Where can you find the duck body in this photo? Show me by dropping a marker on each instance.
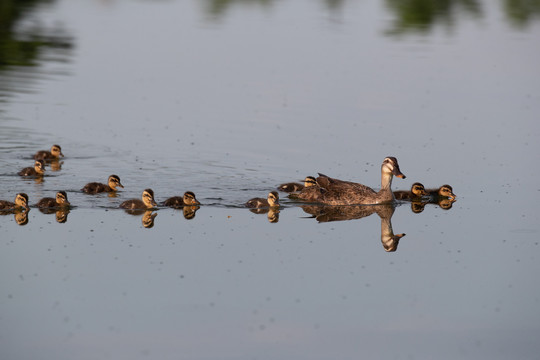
(54, 154)
(96, 187)
(295, 187)
(21, 202)
(340, 192)
(443, 192)
(60, 201)
(271, 201)
(147, 201)
(37, 170)
(416, 192)
(178, 202)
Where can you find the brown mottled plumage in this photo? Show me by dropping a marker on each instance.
(55, 153)
(95, 187)
(271, 201)
(60, 201)
(178, 202)
(294, 187)
(443, 192)
(416, 192)
(340, 192)
(147, 201)
(37, 170)
(21, 201)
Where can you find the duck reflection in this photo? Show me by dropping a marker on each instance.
(147, 218)
(272, 213)
(189, 211)
(326, 213)
(20, 215)
(61, 213)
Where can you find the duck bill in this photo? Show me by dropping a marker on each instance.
(453, 197)
(398, 173)
(154, 203)
(122, 186)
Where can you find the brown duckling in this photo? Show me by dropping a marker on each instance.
(147, 201)
(95, 187)
(54, 154)
(340, 192)
(60, 201)
(416, 192)
(444, 192)
(271, 201)
(178, 202)
(37, 170)
(21, 202)
(294, 187)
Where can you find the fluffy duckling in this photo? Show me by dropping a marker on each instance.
(54, 154)
(37, 170)
(147, 201)
(416, 192)
(271, 201)
(178, 202)
(444, 192)
(60, 201)
(21, 201)
(294, 187)
(339, 192)
(95, 187)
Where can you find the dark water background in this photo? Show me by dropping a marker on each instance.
(231, 98)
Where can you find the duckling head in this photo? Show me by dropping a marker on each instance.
(310, 181)
(56, 151)
(390, 166)
(446, 191)
(39, 166)
(148, 198)
(190, 199)
(21, 199)
(273, 198)
(114, 181)
(418, 189)
(61, 198)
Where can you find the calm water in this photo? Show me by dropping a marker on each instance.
(231, 98)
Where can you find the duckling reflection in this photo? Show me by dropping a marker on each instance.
(325, 213)
(446, 204)
(272, 213)
(20, 214)
(61, 213)
(55, 165)
(189, 211)
(148, 219)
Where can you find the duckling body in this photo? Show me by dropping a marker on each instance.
(443, 192)
(295, 187)
(147, 201)
(37, 170)
(271, 201)
(416, 192)
(178, 202)
(21, 202)
(96, 187)
(59, 202)
(54, 154)
(340, 192)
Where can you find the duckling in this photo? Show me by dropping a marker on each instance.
(294, 187)
(95, 187)
(54, 154)
(444, 192)
(416, 192)
(37, 170)
(339, 192)
(271, 201)
(178, 202)
(147, 201)
(21, 202)
(61, 201)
